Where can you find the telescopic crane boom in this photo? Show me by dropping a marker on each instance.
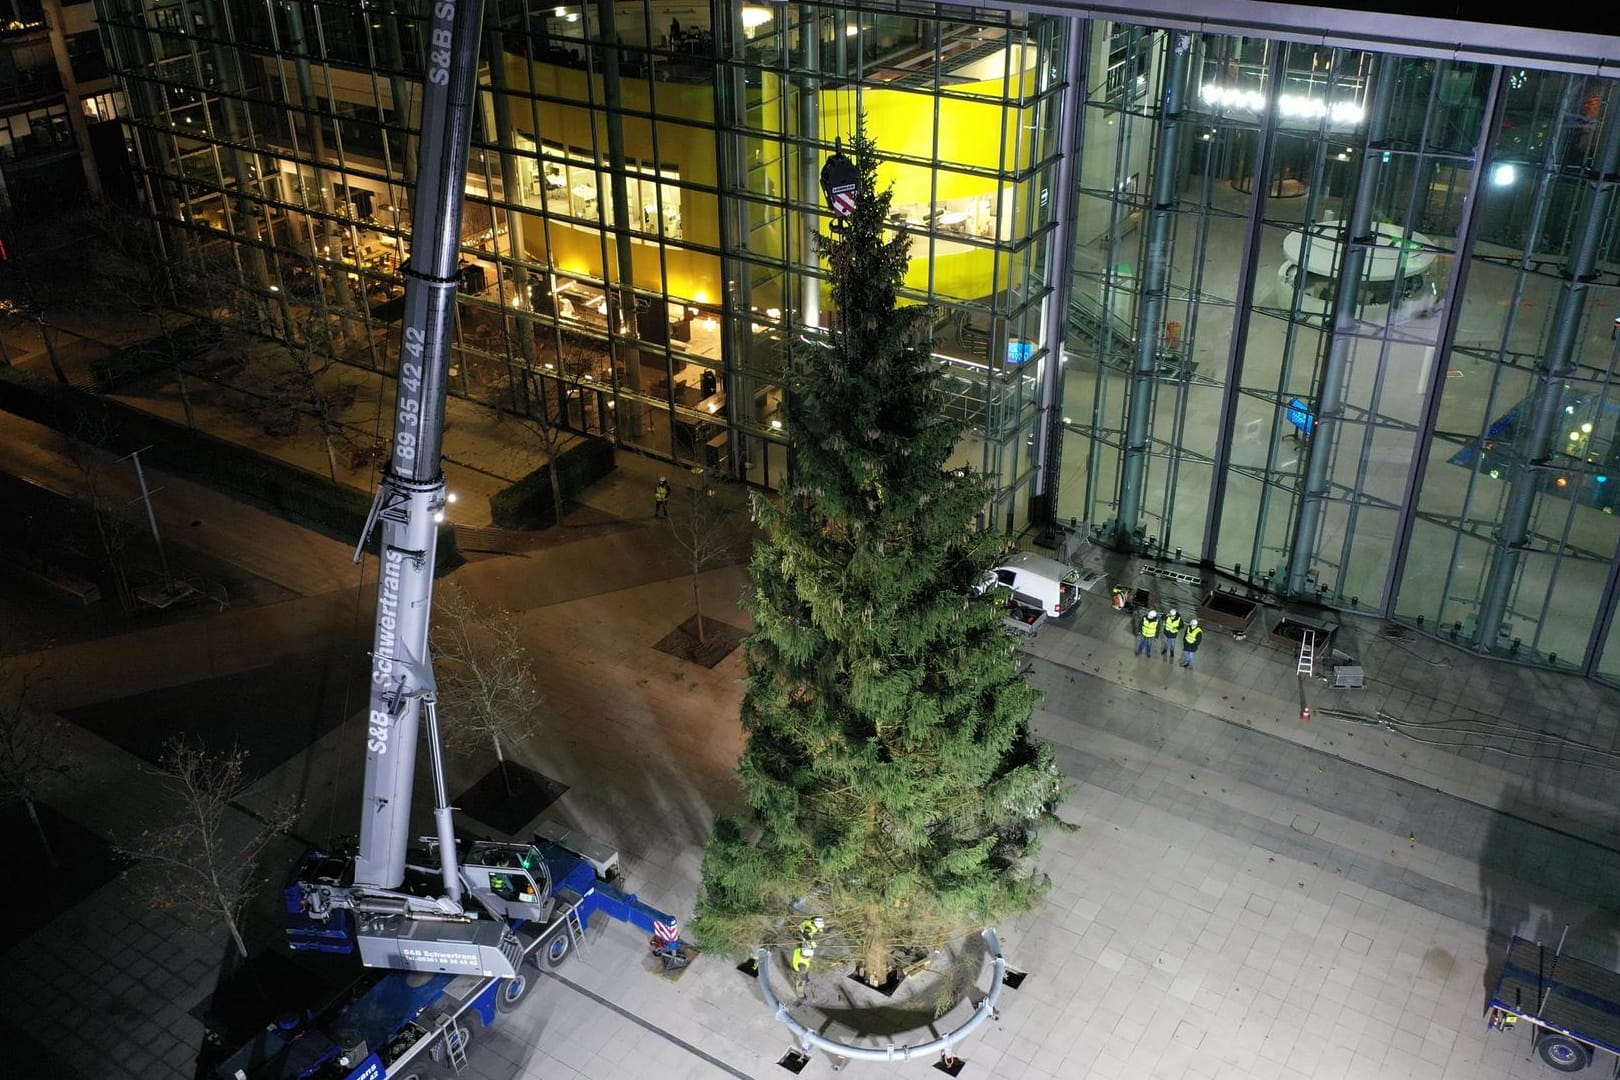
(402, 924)
(411, 496)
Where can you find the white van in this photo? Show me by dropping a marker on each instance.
(1038, 582)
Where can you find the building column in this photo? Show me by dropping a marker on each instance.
(1155, 280)
(1446, 333)
(402, 93)
(1558, 363)
(245, 205)
(1359, 238)
(809, 85)
(71, 98)
(500, 106)
(1244, 293)
(322, 232)
(624, 349)
(1059, 270)
(732, 171)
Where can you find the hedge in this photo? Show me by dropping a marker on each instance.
(297, 494)
(527, 504)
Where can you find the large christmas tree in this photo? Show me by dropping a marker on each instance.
(893, 782)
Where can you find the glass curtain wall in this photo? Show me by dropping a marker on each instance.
(1514, 546)
(638, 246)
(1320, 298)
(964, 116)
(1339, 324)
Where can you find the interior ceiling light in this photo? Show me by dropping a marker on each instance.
(753, 17)
(1292, 106)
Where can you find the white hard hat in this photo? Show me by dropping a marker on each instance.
(1192, 622)
(1153, 614)
(820, 922)
(1173, 611)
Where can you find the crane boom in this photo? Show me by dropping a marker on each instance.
(396, 922)
(411, 497)
(524, 899)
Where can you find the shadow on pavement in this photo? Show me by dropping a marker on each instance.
(272, 712)
(510, 796)
(84, 863)
(1545, 885)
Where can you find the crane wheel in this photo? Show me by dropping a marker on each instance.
(513, 990)
(555, 949)
(1562, 1052)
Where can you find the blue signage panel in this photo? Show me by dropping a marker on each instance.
(1300, 415)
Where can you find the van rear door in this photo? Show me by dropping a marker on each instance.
(1068, 592)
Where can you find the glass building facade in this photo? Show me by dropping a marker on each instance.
(1331, 316)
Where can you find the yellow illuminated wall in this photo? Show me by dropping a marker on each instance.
(976, 130)
(975, 134)
(687, 148)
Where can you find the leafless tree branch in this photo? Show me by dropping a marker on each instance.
(486, 676)
(34, 748)
(211, 864)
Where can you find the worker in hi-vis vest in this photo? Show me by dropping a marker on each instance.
(1189, 644)
(1171, 634)
(1148, 635)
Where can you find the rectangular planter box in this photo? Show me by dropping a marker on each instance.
(1230, 612)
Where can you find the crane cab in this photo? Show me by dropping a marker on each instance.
(509, 879)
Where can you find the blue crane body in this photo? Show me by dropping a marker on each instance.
(459, 926)
(401, 1024)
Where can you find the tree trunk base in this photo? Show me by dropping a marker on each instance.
(685, 643)
(916, 993)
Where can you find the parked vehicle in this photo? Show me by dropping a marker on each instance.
(1571, 1007)
(1038, 582)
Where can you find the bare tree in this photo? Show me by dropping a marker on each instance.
(313, 354)
(209, 852)
(578, 361)
(486, 676)
(29, 309)
(94, 434)
(701, 528)
(187, 297)
(34, 749)
(45, 276)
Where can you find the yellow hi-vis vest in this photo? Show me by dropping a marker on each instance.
(1150, 628)
(1193, 634)
(1172, 625)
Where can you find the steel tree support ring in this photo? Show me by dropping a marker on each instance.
(945, 1044)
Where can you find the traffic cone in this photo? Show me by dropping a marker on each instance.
(1305, 714)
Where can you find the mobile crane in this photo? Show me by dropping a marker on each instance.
(454, 938)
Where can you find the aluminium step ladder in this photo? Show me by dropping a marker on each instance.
(576, 929)
(1307, 654)
(453, 1037)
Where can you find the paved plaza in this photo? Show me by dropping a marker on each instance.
(1247, 894)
